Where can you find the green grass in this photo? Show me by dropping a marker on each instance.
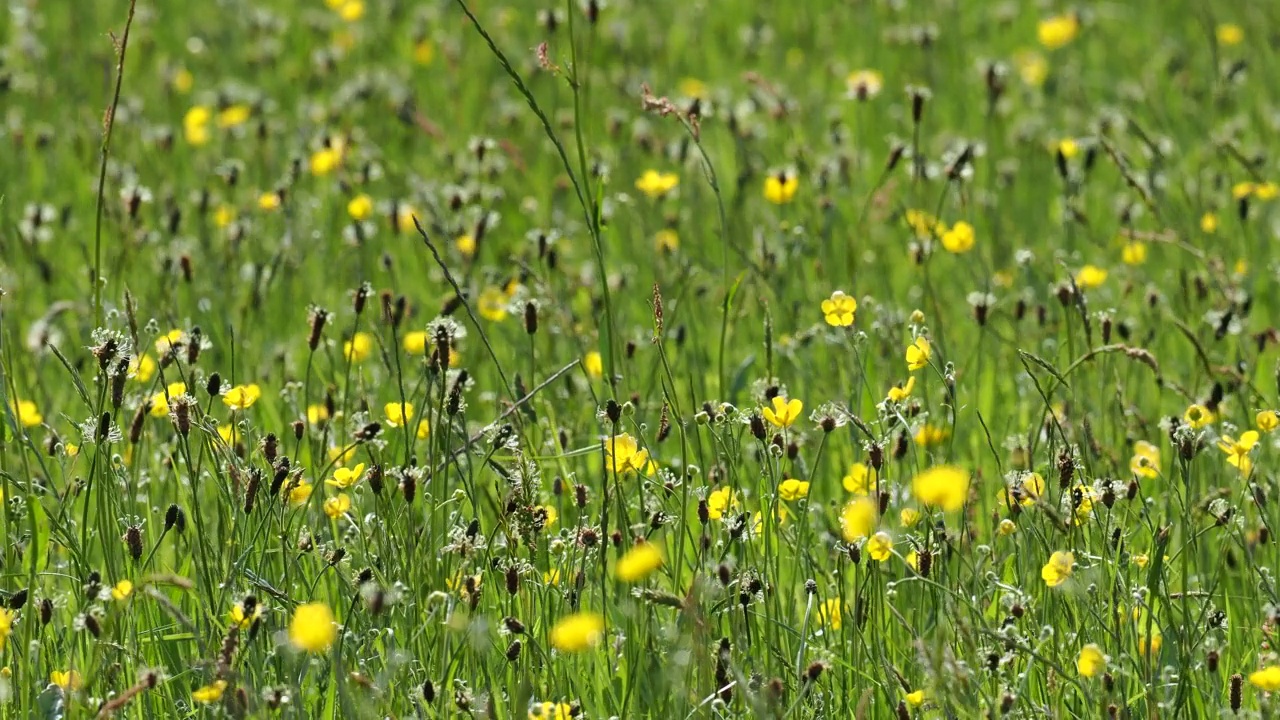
(445, 574)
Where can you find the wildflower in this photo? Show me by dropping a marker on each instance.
(1145, 462)
(122, 590)
(549, 515)
(838, 310)
(344, 478)
(336, 507)
(341, 456)
(1134, 253)
(915, 698)
(241, 618)
(666, 240)
(195, 125)
(1068, 148)
(1026, 491)
(142, 368)
(233, 116)
(300, 494)
(944, 486)
(864, 84)
(1209, 223)
(424, 429)
(1090, 276)
(6, 625)
(909, 517)
(269, 201)
(360, 207)
(183, 81)
(551, 577)
(28, 414)
(551, 711)
(880, 546)
(624, 454)
(858, 519)
(1229, 34)
(1007, 527)
(1141, 560)
(1266, 190)
(593, 364)
(316, 414)
(1032, 67)
(1242, 190)
(898, 393)
(929, 435)
(224, 216)
(424, 52)
(784, 412)
(209, 693)
(719, 501)
(313, 628)
(1238, 450)
(925, 225)
(831, 612)
(160, 401)
(492, 304)
(577, 633)
(1148, 646)
(860, 480)
(780, 188)
(1058, 569)
(1267, 420)
(656, 184)
(1266, 679)
(1084, 508)
(638, 563)
(918, 353)
(398, 414)
(242, 397)
(324, 161)
(351, 10)
(466, 245)
(1057, 31)
(692, 88)
(1091, 661)
(358, 348)
(959, 239)
(792, 489)
(415, 343)
(68, 680)
(1197, 416)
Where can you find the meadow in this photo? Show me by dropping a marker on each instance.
(639, 359)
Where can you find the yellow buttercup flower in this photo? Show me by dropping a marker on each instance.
(29, 414)
(351, 10)
(1134, 253)
(666, 241)
(898, 393)
(122, 590)
(1025, 491)
(1267, 420)
(624, 454)
(1057, 31)
(209, 694)
(864, 84)
(7, 617)
(944, 486)
(325, 161)
(1238, 450)
(1067, 147)
(861, 479)
(195, 125)
(1197, 416)
(142, 368)
(344, 478)
(316, 414)
(68, 680)
(241, 618)
(1145, 462)
(831, 613)
(492, 304)
(1032, 67)
(1266, 679)
(641, 561)
(313, 628)
(780, 188)
(858, 519)
(1091, 662)
(358, 348)
(929, 435)
(593, 363)
(915, 698)
(783, 412)
(577, 633)
(233, 116)
(1058, 569)
(838, 310)
(657, 184)
(160, 401)
(360, 207)
(880, 546)
(918, 353)
(1209, 223)
(1229, 34)
(269, 201)
(551, 711)
(959, 238)
(791, 489)
(398, 414)
(1090, 276)
(336, 507)
(300, 494)
(242, 397)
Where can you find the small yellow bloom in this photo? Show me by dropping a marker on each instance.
(550, 515)
(360, 207)
(638, 563)
(657, 184)
(1007, 527)
(28, 414)
(551, 711)
(1242, 190)
(300, 494)
(424, 52)
(71, 449)
(224, 216)
(944, 486)
(780, 188)
(351, 10)
(692, 88)
(1068, 148)
(861, 479)
(316, 414)
(398, 414)
(1032, 67)
(858, 519)
(1145, 462)
(918, 353)
(324, 161)
(209, 694)
(1209, 223)
(160, 401)
(1229, 34)
(1058, 569)
(1090, 276)
(1057, 31)
(792, 489)
(784, 412)
(1150, 646)
(195, 125)
(242, 397)
(929, 435)
(336, 507)
(831, 613)
(142, 368)
(864, 84)
(915, 699)
(1266, 679)
(923, 224)
(313, 628)
(492, 304)
(7, 617)
(838, 310)
(183, 81)
(269, 201)
(898, 393)
(1134, 253)
(666, 241)
(624, 454)
(1267, 420)
(959, 239)
(358, 348)
(909, 517)
(1091, 661)
(1141, 560)
(577, 633)
(415, 342)
(880, 546)
(593, 364)
(243, 619)
(68, 680)
(122, 590)
(233, 116)
(344, 478)
(1238, 450)
(1197, 416)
